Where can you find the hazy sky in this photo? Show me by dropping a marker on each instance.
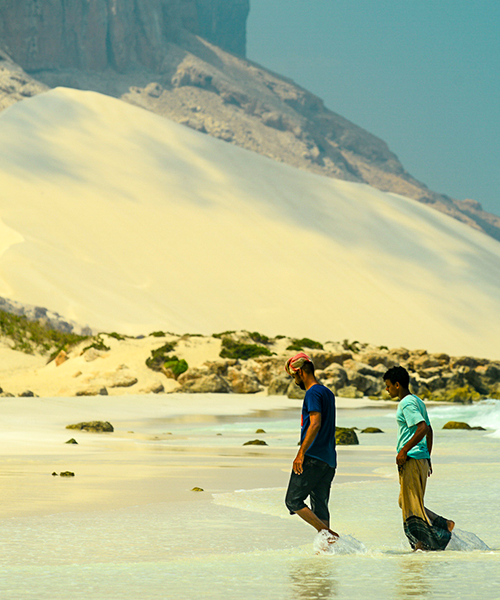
(423, 75)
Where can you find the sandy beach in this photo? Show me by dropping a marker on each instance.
(128, 524)
(144, 460)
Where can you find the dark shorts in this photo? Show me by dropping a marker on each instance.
(315, 481)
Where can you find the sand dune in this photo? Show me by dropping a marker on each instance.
(122, 220)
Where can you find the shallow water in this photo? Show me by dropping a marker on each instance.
(243, 544)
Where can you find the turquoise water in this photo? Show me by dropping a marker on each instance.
(243, 544)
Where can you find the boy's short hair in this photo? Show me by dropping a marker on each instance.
(398, 375)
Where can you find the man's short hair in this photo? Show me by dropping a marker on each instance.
(308, 367)
(398, 375)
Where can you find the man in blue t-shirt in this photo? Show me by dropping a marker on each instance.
(424, 529)
(314, 466)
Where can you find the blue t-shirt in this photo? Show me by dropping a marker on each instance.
(320, 399)
(412, 411)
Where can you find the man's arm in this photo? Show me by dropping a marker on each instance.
(418, 436)
(311, 433)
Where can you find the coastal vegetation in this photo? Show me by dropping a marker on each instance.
(241, 350)
(35, 337)
(246, 362)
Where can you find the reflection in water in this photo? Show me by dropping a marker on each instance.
(414, 578)
(313, 579)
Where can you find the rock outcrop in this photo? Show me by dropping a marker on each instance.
(102, 34)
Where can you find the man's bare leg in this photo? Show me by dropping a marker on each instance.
(309, 517)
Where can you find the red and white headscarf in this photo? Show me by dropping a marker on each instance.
(296, 362)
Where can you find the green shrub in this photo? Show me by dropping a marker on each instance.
(237, 350)
(259, 338)
(221, 335)
(299, 345)
(160, 356)
(115, 335)
(98, 344)
(352, 346)
(31, 336)
(176, 366)
(157, 334)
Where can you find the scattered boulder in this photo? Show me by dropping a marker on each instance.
(61, 358)
(122, 377)
(349, 391)
(456, 425)
(213, 384)
(294, 392)
(155, 387)
(66, 474)
(71, 441)
(371, 430)
(255, 443)
(269, 368)
(93, 354)
(278, 386)
(462, 395)
(260, 431)
(242, 382)
(93, 426)
(92, 390)
(346, 436)
(197, 489)
(28, 394)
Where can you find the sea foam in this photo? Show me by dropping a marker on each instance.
(465, 541)
(325, 543)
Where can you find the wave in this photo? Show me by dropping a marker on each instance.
(325, 543)
(465, 541)
(483, 414)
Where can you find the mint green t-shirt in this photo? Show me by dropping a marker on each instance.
(412, 411)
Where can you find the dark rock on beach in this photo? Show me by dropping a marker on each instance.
(456, 425)
(255, 443)
(346, 436)
(93, 426)
(372, 430)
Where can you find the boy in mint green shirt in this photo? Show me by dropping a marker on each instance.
(411, 412)
(424, 529)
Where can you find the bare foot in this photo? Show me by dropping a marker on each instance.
(418, 546)
(334, 538)
(451, 525)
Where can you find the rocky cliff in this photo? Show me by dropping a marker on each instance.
(182, 59)
(97, 34)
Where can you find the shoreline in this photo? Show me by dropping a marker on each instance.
(142, 461)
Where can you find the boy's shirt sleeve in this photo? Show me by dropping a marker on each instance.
(412, 414)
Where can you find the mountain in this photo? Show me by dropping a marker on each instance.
(184, 59)
(123, 220)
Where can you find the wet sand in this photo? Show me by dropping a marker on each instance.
(148, 458)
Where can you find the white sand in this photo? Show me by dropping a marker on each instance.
(120, 219)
